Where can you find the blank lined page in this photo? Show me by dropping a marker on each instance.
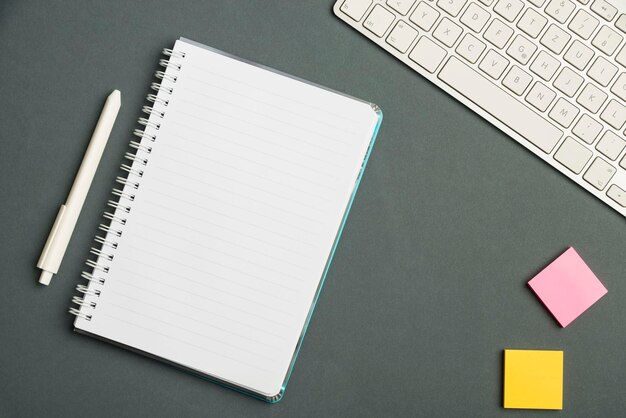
(243, 193)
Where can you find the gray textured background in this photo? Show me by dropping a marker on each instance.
(427, 286)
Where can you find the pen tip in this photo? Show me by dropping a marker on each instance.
(115, 95)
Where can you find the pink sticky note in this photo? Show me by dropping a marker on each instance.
(567, 287)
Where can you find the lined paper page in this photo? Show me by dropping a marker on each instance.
(234, 219)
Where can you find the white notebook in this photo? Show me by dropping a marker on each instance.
(218, 239)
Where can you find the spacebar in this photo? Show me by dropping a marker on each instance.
(500, 105)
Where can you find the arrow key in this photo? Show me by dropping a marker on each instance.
(599, 173)
(618, 194)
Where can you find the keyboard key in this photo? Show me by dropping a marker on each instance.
(427, 54)
(623, 163)
(475, 17)
(602, 71)
(564, 113)
(402, 36)
(424, 16)
(493, 64)
(621, 56)
(355, 8)
(555, 39)
(568, 82)
(521, 49)
(591, 98)
(537, 3)
(620, 23)
(545, 65)
(605, 10)
(517, 80)
(617, 194)
(470, 48)
(500, 104)
(486, 2)
(447, 32)
(578, 55)
(583, 24)
(599, 173)
(614, 114)
(452, 7)
(401, 6)
(498, 33)
(509, 9)
(560, 10)
(619, 87)
(607, 40)
(540, 96)
(573, 155)
(587, 129)
(379, 20)
(611, 145)
(532, 23)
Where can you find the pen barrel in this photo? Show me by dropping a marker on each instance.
(66, 219)
(89, 165)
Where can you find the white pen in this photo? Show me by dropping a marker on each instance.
(65, 221)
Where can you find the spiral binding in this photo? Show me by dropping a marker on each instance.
(141, 150)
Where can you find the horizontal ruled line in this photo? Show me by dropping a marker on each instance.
(184, 342)
(207, 247)
(273, 308)
(269, 92)
(246, 196)
(208, 273)
(289, 139)
(226, 266)
(178, 327)
(273, 105)
(299, 164)
(152, 203)
(266, 166)
(238, 168)
(204, 235)
(276, 120)
(206, 209)
(192, 318)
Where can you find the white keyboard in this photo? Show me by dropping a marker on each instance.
(549, 73)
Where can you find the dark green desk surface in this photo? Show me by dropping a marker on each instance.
(427, 287)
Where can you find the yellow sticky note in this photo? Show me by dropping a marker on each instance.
(533, 379)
